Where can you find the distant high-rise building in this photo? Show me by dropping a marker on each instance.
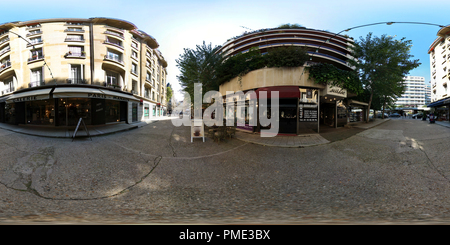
(415, 91)
(428, 93)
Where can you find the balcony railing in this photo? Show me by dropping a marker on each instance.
(6, 50)
(8, 90)
(114, 33)
(74, 39)
(4, 40)
(5, 65)
(69, 54)
(114, 58)
(36, 57)
(76, 81)
(112, 85)
(116, 44)
(36, 84)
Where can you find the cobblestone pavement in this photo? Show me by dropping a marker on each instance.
(396, 172)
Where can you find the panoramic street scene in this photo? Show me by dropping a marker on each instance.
(224, 113)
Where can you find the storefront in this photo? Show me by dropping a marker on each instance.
(440, 109)
(64, 106)
(333, 110)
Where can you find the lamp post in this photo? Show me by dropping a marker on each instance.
(45, 63)
(372, 24)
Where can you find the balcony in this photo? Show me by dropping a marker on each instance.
(31, 33)
(111, 85)
(36, 58)
(80, 55)
(76, 81)
(36, 84)
(74, 39)
(115, 44)
(114, 34)
(4, 40)
(8, 90)
(78, 30)
(114, 58)
(35, 43)
(4, 51)
(5, 66)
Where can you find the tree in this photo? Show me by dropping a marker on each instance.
(198, 66)
(169, 93)
(382, 63)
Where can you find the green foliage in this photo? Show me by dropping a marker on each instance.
(324, 73)
(169, 93)
(286, 56)
(290, 26)
(382, 63)
(241, 64)
(198, 66)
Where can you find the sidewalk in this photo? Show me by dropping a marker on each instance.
(306, 140)
(443, 123)
(67, 132)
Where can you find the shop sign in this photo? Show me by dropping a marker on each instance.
(331, 90)
(27, 98)
(308, 112)
(104, 96)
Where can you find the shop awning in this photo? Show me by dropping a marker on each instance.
(91, 93)
(118, 96)
(439, 103)
(283, 92)
(358, 103)
(71, 92)
(4, 98)
(39, 94)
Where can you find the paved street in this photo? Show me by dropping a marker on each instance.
(396, 172)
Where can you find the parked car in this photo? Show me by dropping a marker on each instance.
(394, 115)
(379, 115)
(418, 115)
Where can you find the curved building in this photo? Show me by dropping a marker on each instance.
(440, 73)
(303, 104)
(55, 71)
(322, 46)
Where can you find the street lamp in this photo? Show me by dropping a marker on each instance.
(372, 24)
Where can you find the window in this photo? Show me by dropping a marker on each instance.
(134, 87)
(114, 41)
(76, 74)
(113, 55)
(134, 45)
(134, 68)
(36, 54)
(75, 38)
(76, 51)
(36, 77)
(134, 55)
(36, 40)
(77, 29)
(112, 78)
(9, 85)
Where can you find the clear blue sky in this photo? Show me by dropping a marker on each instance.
(184, 24)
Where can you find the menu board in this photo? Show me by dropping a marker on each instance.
(308, 112)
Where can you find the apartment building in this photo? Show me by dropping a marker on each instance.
(439, 52)
(415, 92)
(55, 71)
(303, 104)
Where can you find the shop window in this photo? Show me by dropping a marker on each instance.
(40, 112)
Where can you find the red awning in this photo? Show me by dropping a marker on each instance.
(283, 92)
